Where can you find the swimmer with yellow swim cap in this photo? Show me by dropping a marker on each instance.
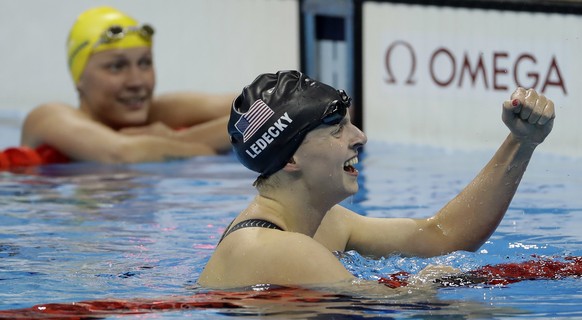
(100, 29)
(118, 120)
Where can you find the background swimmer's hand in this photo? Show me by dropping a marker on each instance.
(529, 115)
(158, 129)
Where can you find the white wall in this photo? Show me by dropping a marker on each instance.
(467, 114)
(205, 45)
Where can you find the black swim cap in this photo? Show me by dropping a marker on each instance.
(272, 116)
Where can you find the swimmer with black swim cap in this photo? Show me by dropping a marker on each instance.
(271, 117)
(296, 133)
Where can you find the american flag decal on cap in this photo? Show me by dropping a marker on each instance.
(253, 119)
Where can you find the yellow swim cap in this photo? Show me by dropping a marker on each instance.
(92, 32)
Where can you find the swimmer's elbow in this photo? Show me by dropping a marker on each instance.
(438, 239)
(123, 150)
(127, 151)
(117, 153)
(463, 237)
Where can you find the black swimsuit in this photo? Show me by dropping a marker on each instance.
(251, 223)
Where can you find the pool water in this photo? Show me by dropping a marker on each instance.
(86, 232)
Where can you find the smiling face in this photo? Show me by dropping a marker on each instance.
(326, 158)
(116, 86)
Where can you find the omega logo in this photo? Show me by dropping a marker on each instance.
(488, 70)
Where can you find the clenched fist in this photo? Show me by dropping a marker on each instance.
(529, 115)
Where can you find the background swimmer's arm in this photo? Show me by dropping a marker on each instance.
(212, 133)
(468, 220)
(83, 139)
(186, 109)
(202, 117)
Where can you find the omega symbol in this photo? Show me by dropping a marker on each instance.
(387, 60)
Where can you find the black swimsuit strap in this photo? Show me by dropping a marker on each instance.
(251, 223)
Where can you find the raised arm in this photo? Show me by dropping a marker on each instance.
(83, 139)
(468, 220)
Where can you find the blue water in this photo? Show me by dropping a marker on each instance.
(78, 232)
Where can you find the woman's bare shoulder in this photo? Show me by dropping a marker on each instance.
(51, 109)
(44, 117)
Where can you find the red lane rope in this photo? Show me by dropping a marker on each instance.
(15, 157)
(209, 300)
(503, 274)
(500, 274)
(540, 269)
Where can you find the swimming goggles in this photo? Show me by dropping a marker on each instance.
(337, 109)
(116, 33)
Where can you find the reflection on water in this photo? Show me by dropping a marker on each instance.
(86, 232)
(287, 303)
